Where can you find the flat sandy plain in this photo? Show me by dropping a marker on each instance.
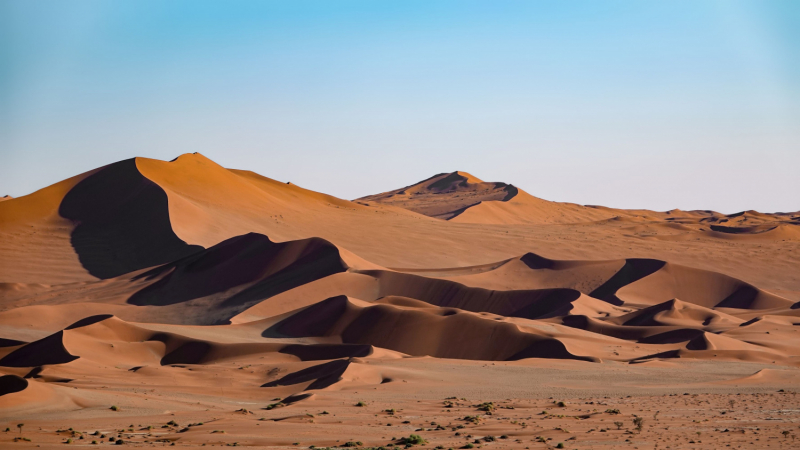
(182, 303)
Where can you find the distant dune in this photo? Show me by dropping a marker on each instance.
(461, 197)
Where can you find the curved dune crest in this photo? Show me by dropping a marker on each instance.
(700, 287)
(677, 313)
(527, 209)
(148, 273)
(239, 272)
(33, 397)
(446, 195)
(426, 331)
(50, 350)
(12, 383)
(322, 375)
(122, 222)
(463, 198)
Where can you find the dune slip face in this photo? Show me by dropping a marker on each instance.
(212, 306)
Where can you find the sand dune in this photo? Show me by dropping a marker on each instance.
(202, 282)
(698, 287)
(426, 331)
(461, 197)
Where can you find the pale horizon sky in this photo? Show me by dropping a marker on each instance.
(628, 104)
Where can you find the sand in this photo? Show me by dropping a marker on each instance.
(185, 303)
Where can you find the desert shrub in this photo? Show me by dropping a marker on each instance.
(413, 439)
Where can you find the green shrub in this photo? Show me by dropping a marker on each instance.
(487, 406)
(413, 439)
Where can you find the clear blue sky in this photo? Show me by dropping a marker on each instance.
(651, 104)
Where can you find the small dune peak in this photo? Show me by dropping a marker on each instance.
(189, 157)
(446, 195)
(449, 182)
(469, 177)
(534, 261)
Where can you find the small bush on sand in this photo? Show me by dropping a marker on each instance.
(413, 439)
(639, 422)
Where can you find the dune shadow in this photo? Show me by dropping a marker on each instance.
(12, 383)
(321, 352)
(122, 222)
(324, 375)
(193, 352)
(45, 351)
(634, 269)
(252, 264)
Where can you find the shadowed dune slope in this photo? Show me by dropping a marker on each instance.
(700, 287)
(12, 383)
(463, 198)
(426, 331)
(140, 258)
(122, 222)
(445, 195)
(322, 375)
(108, 340)
(372, 285)
(677, 313)
(239, 272)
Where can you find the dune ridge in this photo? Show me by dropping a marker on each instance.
(155, 273)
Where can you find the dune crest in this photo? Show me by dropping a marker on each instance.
(207, 281)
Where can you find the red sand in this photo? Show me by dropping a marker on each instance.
(185, 291)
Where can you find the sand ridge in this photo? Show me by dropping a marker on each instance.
(150, 283)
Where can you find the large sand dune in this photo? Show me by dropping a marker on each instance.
(183, 277)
